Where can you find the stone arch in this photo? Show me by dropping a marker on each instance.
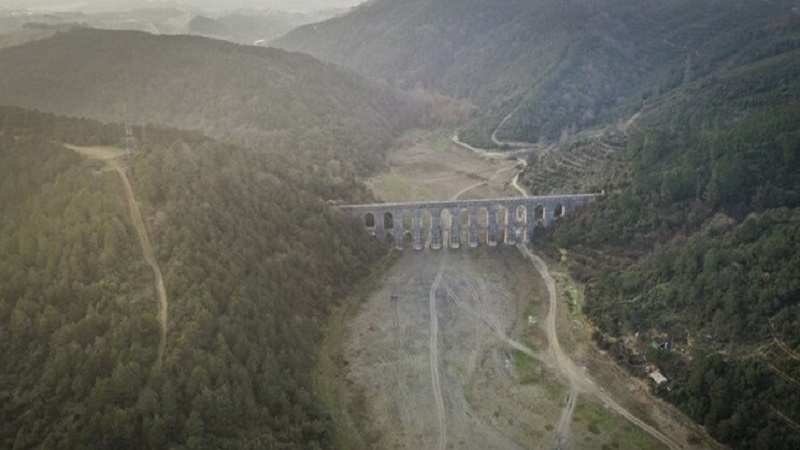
(426, 220)
(369, 220)
(463, 216)
(521, 213)
(446, 217)
(464, 220)
(437, 228)
(483, 224)
(559, 210)
(520, 223)
(503, 218)
(538, 213)
(407, 222)
(483, 217)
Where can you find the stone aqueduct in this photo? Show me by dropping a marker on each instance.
(515, 218)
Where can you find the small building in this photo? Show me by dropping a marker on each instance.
(658, 377)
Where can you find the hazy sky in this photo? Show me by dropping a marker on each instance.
(98, 5)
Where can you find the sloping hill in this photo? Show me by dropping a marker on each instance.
(248, 95)
(558, 67)
(235, 235)
(704, 220)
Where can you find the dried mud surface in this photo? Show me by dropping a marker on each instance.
(387, 351)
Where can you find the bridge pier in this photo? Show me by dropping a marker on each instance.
(436, 229)
(398, 230)
(530, 224)
(416, 231)
(511, 228)
(455, 229)
(548, 217)
(474, 229)
(491, 237)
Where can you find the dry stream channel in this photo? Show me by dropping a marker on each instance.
(438, 351)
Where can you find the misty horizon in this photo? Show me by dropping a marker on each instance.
(94, 6)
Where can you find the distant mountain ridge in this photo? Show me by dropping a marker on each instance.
(557, 67)
(248, 95)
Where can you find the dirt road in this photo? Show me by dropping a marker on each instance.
(112, 157)
(433, 343)
(578, 379)
(150, 258)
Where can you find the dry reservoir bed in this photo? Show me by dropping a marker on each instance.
(406, 378)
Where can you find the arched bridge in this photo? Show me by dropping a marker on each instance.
(510, 220)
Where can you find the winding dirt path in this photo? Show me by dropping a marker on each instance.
(111, 157)
(469, 188)
(579, 381)
(434, 358)
(562, 430)
(521, 148)
(149, 256)
(513, 144)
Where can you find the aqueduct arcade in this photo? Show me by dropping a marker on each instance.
(451, 223)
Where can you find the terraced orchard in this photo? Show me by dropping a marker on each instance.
(590, 164)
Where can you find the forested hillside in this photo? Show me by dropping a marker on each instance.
(697, 246)
(247, 95)
(558, 67)
(236, 234)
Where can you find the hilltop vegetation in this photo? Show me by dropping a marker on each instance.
(251, 252)
(559, 67)
(251, 96)
(236, 235)
(698, 246)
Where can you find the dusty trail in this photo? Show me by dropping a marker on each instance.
(562, 361)
(579, 381)
(562, 431)
(513, 144)
(468, 188)
(434, 358)
(149, 256)
(111, 156)
(521, 148)
(515, 181)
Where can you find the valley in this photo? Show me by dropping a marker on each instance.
(218, 291)
(440, 353)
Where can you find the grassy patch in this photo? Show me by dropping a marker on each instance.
(528, 368)
(555, 391)
(597, 417)
(619, 433)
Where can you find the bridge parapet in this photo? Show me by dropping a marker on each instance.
(428, 222)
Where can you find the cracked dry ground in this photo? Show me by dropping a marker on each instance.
(493, 396)
(388, 355)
